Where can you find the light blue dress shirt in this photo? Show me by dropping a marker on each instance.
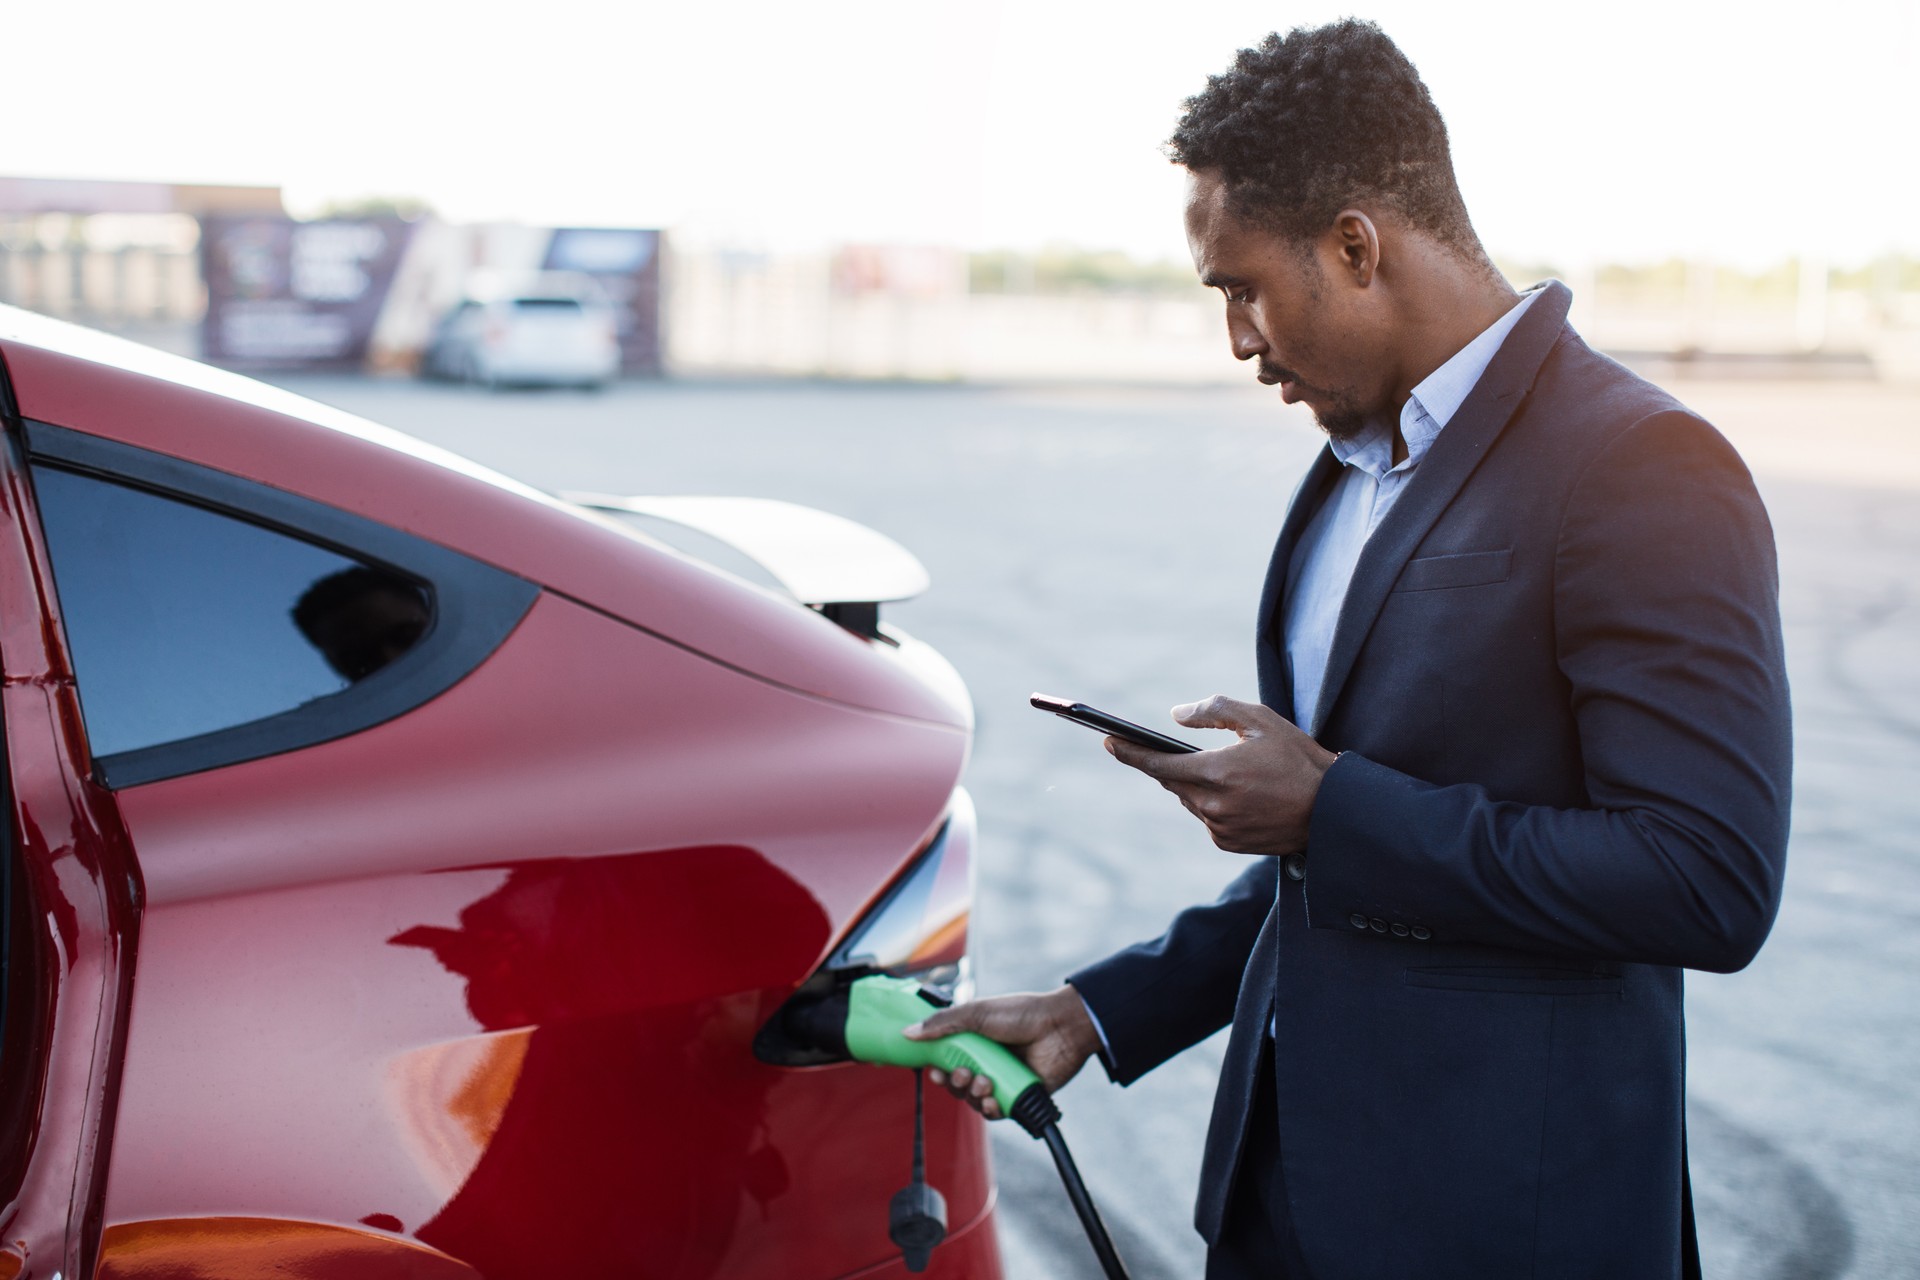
(1369, 485)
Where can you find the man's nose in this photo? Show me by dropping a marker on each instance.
(1244, 337)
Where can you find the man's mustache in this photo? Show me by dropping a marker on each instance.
(1271, 372)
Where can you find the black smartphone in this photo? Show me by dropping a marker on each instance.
(1114, 726)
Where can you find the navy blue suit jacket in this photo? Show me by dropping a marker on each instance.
(1558, 685)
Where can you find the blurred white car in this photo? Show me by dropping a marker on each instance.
(552, 328)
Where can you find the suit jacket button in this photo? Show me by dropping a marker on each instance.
(1399, 930)
(1421, 932)
(1379, 925)
(1357, 920)
(1296, 866)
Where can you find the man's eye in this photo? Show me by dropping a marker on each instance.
(1239, 295)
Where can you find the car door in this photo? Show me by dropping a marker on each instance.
(69, 912)
(210, 622)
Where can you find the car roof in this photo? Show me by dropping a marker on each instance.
(95, 383)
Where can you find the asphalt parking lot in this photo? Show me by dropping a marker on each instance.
(1108, 544)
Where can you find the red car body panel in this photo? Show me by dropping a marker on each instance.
(472, 991)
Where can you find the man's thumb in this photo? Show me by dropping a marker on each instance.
(946, 1022)
(1217, 712)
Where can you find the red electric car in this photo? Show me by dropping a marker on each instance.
(406, 868)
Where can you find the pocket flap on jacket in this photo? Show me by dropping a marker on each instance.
(1468, 569)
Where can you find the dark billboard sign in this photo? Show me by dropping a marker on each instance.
(296, 295)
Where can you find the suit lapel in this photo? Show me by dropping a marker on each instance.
(1276, 690)
(1456, 452)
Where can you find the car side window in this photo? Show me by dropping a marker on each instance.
(182, 621)
(213, 620)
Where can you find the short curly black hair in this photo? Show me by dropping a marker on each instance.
(1319, 120)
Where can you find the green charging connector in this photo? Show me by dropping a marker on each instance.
(879, 1008)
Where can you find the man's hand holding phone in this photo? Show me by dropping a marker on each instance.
(1255, 795)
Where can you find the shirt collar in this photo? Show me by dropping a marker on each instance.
(1434, 401)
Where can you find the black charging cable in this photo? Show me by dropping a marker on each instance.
(1034, 1111)
(1083, 1205)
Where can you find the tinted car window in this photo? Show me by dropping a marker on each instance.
(182, 620)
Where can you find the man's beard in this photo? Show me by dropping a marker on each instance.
(1339, 413)
(1341, 422)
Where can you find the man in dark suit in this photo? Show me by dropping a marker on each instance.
(1524, 607)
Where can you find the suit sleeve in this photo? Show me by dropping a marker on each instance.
(1157, 998)
(1666, 625)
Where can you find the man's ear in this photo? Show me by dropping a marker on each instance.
(1356, 244)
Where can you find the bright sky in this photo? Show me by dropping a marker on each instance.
(1634, 129)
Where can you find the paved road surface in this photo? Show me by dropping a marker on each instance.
(1109, 544)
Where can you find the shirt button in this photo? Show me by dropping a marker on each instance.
(1357, 920)
(1421, 932)
(1379, 925)
(1296, 866)
(1399, 930)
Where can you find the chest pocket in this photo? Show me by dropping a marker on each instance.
(1468, 569)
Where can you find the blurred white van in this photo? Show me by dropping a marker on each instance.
(549, 328)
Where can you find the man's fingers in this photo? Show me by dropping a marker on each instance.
(975, 1091)
(1165, 766)
(1222, 712)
